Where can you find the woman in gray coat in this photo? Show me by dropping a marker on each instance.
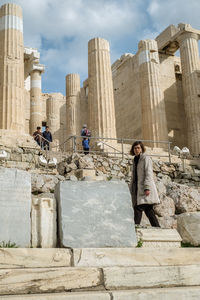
(143, 189)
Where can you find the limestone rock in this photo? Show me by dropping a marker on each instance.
(95, 214)
(166, 207)
(15, 203)
(186, 199)
(188, 225)
(44, 183)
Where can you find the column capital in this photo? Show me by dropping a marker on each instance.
(37, 67)
(184, 35)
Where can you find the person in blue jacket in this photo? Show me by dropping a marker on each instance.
(48, 138)
(85, 144)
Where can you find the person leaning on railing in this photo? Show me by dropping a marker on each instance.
(38, 136)
(143, 189)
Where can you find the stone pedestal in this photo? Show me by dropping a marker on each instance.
(12, 106)
(154, 124)
(190, 63)
(35, 95)
(100, 96)
(72, 100)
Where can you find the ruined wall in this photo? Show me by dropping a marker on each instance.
(127, 97)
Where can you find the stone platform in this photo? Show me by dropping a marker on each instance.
(100, 274)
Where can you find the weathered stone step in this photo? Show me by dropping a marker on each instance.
(13, 258)
(144, 294)
(52, 280)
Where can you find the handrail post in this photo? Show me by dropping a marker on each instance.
(169, 152)
(122, 143)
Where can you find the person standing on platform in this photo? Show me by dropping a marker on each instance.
(143, 189)
(48, 138)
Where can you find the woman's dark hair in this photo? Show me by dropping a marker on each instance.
(135, 144)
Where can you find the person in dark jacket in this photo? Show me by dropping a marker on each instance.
(86, 147)
(143, 189)
(48, 138)
(38, 136)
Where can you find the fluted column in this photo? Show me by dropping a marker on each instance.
(12, 107)
(189, 54)
(53, 118)
(100, 96)
(35, 98)
(72, 97)
(154, 124)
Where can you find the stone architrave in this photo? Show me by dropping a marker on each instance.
(35, 98)
(154, 124)
(188, 226)
(12, 107)
(95, 214)
(43, 221)
(190, 63)
(15, 203)
(100, 95)
(72, 100)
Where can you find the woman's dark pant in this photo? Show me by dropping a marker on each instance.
(148, 209)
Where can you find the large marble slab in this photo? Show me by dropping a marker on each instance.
(95, 214)
(15, 203)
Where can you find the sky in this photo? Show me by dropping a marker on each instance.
(61, 29)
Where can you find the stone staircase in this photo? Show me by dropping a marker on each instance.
(100, 274)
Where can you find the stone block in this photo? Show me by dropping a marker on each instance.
(95, 214)
(110, 257)
(151, 277)
(15, 203)
(85, 173)
(184, 293)
(188, 226)
(48, 280)
(62, 296)
(158, 237)
(13, 258)
(43, 221)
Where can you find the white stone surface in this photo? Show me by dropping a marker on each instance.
(11, 22)
(184, 293)
(103, 257)
(188, 225)
(150, 277)
(158, 237)
(12, 258)
(47, 280)
(15, 203)
(62, 296)
(43, 221)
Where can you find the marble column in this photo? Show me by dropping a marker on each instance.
(72, 100)
(190, 63)
(53, 119)
(35, 98)
(100, 95)
(154, 124)
(12, 106)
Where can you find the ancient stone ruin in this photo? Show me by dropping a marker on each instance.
(69, 214)
(151, 95)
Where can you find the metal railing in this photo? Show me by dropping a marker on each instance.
(100, 145)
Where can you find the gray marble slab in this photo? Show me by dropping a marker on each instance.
(15, 206)
(95, 214)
